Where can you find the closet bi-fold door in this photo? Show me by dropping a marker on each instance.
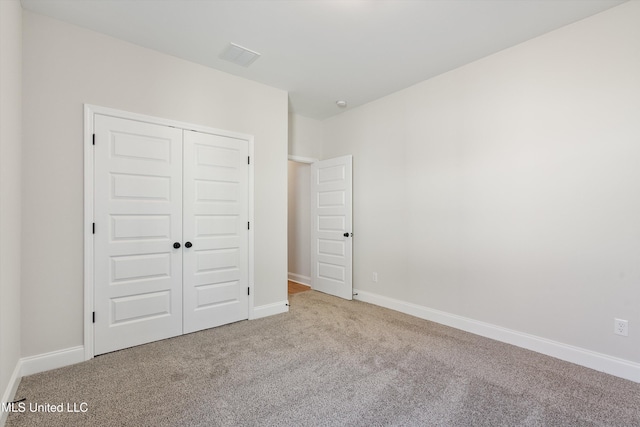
(138, 218)
(215, 230)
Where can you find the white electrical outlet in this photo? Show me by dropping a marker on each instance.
(375, 277)
(621, 327)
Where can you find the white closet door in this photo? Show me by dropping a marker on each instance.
(138, 217)
(215, 272)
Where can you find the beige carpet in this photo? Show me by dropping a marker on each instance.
(330, 362)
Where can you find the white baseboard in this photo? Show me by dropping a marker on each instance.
(270, 309)
(10, 393)
(55, 359)
(299, 278)
(580, 356)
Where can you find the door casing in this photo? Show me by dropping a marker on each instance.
(89, 112)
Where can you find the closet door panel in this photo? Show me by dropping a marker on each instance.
(215, 194)
(138, 217)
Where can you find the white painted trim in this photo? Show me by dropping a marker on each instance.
(10, 392)
(251, 231)
(309, 161)
(299, 278)
(271, 309)
(53, 360)
(165, 122)
(580, 356)
(299, 159)
(89, 185)
(89, 112)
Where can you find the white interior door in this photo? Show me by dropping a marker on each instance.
(331, 229)
(216, 229)
(138, 217)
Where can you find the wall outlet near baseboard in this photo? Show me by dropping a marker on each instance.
(621, 327)
(375, 277)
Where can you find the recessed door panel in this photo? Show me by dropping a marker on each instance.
(330, 199)
(217, 157)
(331, 174)
(331, 272)
(138, 308)
(140, 227)
(140, 147)
(216, 225)
(140, 266)
(332, 247)
(331, 223)
(141, 187)
(216, 294)
(216, 191)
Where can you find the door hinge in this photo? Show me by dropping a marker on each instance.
(248, 291)
(94, 317)
(93, 228)
(248, 160)
(94, 139)
(248, 226)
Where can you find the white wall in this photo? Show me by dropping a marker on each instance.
(10, 187)
(66, 66)
(508, 190)
(299, 222)
(305, 137)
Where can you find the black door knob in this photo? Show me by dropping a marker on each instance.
(346, 234)
(188, 245)
(176, 245)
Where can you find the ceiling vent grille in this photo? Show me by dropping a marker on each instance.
(239, 55)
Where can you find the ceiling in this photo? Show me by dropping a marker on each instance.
(321, 51)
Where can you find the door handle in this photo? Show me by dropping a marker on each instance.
(188, 245)
(348, 234)
(176, 245)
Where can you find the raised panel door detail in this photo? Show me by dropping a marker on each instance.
(331, 272)
(140, 147)
(331, 223)
(140, 266)
(329, 199)
(216, 225)
(331, 247)
(216, 294)
(137, 308)
(216, 260)
(140, 187)
(331, 174)
(140, 227)
(216, 191)
(217, 156)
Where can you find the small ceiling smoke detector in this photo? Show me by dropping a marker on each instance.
(239, 55)
(341, 104)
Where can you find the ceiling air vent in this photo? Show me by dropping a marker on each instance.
(239, 55)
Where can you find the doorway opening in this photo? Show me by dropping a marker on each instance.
(320, 224)
(299, 224)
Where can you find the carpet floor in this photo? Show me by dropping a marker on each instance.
(329, 362)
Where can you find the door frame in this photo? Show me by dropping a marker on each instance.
(89, 112)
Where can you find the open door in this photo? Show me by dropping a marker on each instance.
(331, 227)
